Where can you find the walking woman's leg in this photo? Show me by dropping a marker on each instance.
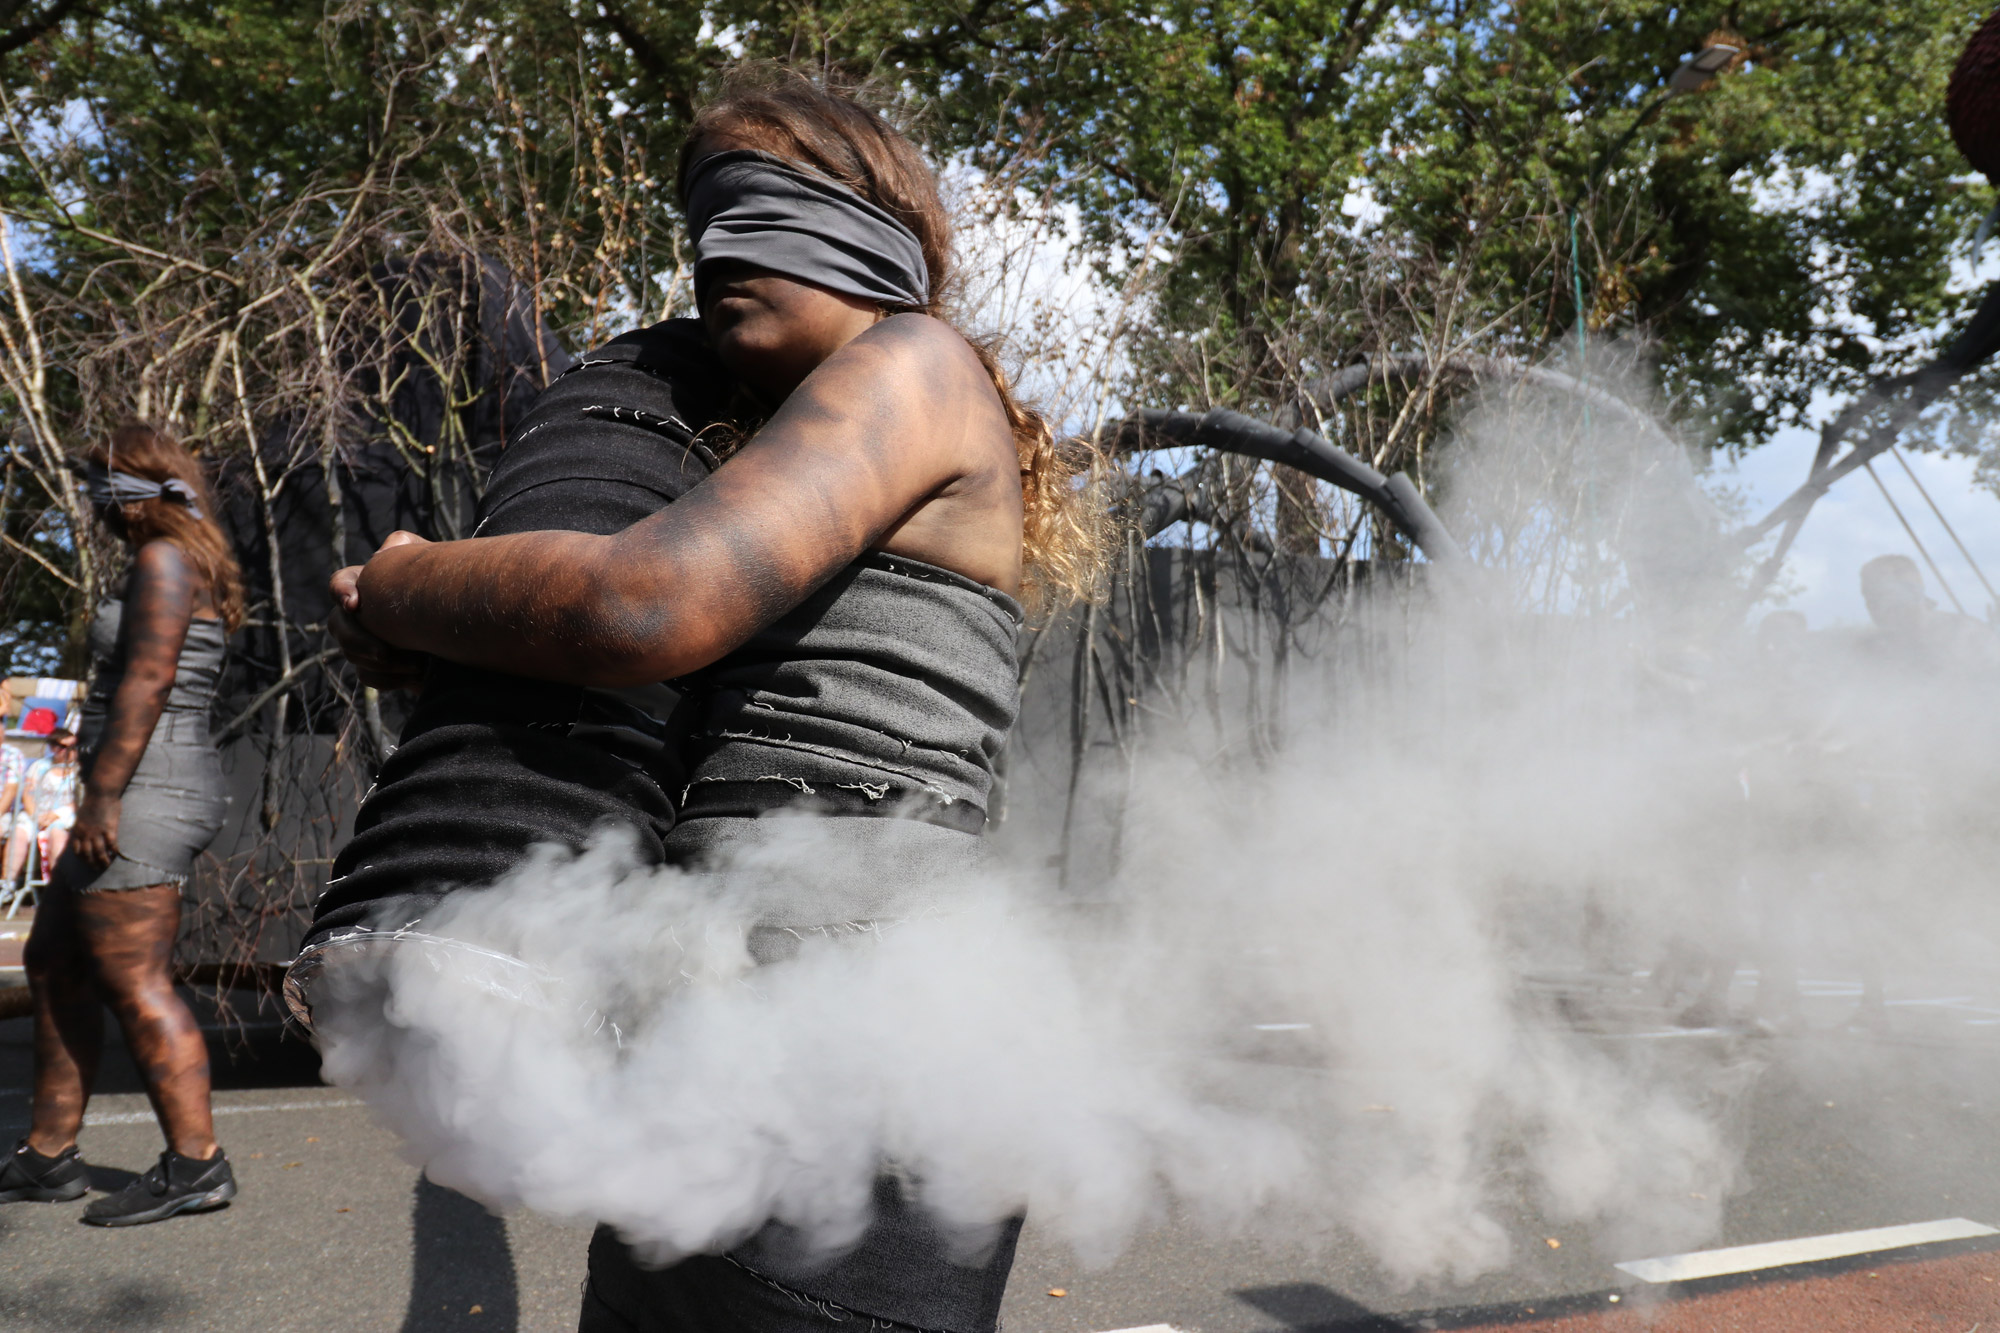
(129, 935)
(69, 1023)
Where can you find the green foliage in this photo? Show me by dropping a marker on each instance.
(1786, 231)
(1783, 233)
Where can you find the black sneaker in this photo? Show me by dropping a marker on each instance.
(28, 1177)
(174, 1184)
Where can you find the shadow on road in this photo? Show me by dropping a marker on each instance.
(462, 1272)
(1308, 1307)
(63, 1304)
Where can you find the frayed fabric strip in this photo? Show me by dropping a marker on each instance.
(828, 1310)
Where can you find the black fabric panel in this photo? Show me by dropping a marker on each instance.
(607, 444)
(461, 805)
(900, 1276)
(487, 767)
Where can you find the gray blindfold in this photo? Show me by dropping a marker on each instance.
(105, 488)
(762, 210)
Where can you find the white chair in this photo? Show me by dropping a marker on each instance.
(14, 897)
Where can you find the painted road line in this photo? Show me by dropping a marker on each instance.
(1807, 1250)
(1665, 1034)
(142, 1117)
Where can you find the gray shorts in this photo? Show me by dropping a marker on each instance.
(172, 810)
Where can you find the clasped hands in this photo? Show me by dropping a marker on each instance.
(379, 664)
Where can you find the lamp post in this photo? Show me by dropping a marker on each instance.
(1693, 73)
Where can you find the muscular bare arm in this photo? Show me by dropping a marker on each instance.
(898, 416)
(159, 603)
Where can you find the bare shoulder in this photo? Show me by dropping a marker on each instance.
(923, 344)
(163, 574)
(162, 559)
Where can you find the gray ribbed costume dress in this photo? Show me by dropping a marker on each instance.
(176, 803)
(887, 693)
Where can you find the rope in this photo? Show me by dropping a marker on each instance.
(1936, 573)
(1977, 572)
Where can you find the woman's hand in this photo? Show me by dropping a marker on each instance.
(95, 836)
(380, 664)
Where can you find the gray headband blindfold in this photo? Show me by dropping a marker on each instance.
(105, 488)
(762, 210)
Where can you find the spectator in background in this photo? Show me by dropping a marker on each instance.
(1916, 672)
(1910, 632)
(47, 807)
(13, 773)
(51, 796)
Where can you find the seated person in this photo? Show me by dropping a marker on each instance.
(13, 781)
(48, 805)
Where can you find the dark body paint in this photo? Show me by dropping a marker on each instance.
(896, 442)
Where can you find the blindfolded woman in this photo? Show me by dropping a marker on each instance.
(152, 801)
(837, 602)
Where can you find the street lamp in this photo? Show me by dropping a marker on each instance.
(1693, 74)
(1704, 65)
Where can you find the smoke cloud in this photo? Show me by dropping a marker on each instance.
(1382, 979)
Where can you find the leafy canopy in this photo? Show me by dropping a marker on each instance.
(1786, 232)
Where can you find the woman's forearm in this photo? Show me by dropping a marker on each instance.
(551, 605)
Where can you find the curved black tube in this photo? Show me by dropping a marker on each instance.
(1314, 455)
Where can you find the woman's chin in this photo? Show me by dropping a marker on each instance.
(768, 367)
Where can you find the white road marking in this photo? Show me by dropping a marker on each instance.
(1148, 1328)
(1806, 1250)
(141, 1117)
(1663, 1034)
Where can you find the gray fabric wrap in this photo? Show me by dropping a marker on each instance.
(176, 802)
(862, 869)
(762, 210)
(106, 488)
(897, 679)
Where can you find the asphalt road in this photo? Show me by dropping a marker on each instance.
(1844, 1130)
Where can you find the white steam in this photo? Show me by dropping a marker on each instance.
(964, 1046)
(1468, 800)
